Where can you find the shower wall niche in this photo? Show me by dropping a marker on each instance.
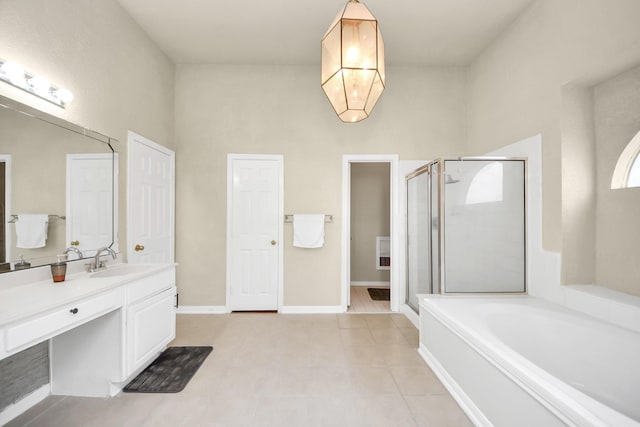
(466, 224)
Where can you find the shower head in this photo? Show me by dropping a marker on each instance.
(449, 180)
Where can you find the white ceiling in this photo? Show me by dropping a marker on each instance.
(416, 32)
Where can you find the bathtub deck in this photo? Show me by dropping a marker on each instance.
(512, 360)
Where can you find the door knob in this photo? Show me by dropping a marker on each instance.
(139, 248)
(75, 243)
(273, 243)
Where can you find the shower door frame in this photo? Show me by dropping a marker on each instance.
(420, 171)
(441, 271)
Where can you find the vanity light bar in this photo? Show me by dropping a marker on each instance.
(15, 75)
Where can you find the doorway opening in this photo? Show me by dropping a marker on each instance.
(370, 229)
(369, 233)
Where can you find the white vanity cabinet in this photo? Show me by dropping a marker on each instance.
(103, 328)
(150, 319)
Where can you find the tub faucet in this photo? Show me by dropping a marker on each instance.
(75, 251)
(97, 264)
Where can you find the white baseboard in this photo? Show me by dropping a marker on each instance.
(24, 404)
(370, 283)
(287, 309)
(411, 315)
(202, 309)
(311, 309)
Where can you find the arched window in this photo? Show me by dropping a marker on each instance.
(627, 171)
(486, 185)
(633, 180)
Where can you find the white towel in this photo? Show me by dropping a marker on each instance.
(31, 230)
(308, 230)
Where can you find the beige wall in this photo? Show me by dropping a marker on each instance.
(120, 79)
(224, 109)
(578, 164)
(370, 212)
(617, 120)
(515, 86)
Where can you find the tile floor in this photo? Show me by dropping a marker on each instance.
(282, 370)
(361, 302)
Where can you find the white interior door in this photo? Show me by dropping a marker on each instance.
(254, 232)
(90, 195)
(151, 187)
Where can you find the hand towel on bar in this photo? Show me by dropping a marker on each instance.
(31, 230)
(308, 230)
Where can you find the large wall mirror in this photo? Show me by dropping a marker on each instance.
(58, 188)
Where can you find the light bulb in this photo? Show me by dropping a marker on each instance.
(14, 73)
(64, 95)
(40, 85)
(353, 53)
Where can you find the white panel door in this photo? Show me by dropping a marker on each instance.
(255, 217)
(90, 195)
(150, 225)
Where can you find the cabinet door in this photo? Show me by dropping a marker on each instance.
(151, 324)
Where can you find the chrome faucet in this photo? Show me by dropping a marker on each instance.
(75, 251)
(97, 264)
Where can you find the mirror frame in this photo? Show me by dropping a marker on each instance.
(34, 113)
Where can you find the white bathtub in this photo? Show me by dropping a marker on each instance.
(522, 361)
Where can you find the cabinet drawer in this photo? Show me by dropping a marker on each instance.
(44, 326)
(151, 285)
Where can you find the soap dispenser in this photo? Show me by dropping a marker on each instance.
(59, 269)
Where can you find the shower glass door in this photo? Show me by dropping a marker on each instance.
(484, 225)
(418, 266)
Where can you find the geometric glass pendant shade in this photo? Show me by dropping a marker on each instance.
(353, 63)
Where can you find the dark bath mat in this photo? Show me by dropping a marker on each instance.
(377, 294)
(170, 372)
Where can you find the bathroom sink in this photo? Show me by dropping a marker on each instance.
(119, 270)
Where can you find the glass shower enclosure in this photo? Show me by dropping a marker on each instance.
(466, 227)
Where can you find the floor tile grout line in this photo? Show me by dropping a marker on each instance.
(31, 421)
(404, 399)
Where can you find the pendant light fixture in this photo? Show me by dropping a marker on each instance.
(353, 62)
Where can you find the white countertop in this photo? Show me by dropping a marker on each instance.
(21, 301)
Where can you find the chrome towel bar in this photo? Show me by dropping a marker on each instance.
(289, 218)
(14, 217)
